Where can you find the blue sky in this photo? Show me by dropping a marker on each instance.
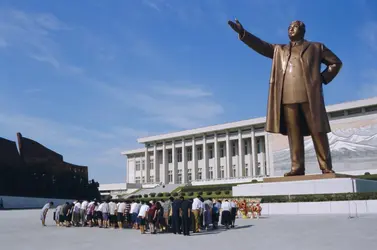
(87, 78)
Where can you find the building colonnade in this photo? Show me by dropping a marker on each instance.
(221, 155)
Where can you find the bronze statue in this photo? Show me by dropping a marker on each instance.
(295, 104)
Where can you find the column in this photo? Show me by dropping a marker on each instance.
(241, 157)
(194, 170)
(205, 159)
(270, 161)
(216, 170)
(147, 165)
(263, 161)
(174, 161)
(228, 166)
(164, 164)
(156, 164)
(253, 153)
(128, 170)
(184, 162)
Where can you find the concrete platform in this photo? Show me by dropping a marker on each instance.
(21, 230)
(305, 177)
(319, 186)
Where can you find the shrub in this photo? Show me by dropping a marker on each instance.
(366, 173)
(175, 194)
(254, 181)
(167, 194)
(227, 192)
(146, 195)
(209, 192)
(152, 194)
(160, 194)
(200, 193)
(190, 193)
(183, 194)
(218, 192)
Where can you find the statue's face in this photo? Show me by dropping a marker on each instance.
(295, 31)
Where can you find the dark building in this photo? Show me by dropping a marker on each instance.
(32, 170)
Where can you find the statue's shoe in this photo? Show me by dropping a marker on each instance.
(328, 171)
(295, 173)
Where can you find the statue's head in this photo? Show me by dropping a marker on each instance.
(296, 31)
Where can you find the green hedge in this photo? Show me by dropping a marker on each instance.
(319, 197)
(212, 188)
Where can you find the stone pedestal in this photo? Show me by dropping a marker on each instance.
(309, 186)
(305, 177)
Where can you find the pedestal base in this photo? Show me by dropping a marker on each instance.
(305, 177)
(300, 187)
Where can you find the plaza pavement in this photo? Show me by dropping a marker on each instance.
(21, 230)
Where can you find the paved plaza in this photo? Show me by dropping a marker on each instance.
(21, 230)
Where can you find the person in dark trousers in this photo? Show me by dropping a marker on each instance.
(186, 215)
(176, 217)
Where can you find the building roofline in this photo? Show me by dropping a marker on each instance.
(133, 151)
(249, 122)
(202, 130)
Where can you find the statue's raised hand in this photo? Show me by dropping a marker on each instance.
(236, 26)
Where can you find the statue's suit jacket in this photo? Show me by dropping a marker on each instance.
(312, 55)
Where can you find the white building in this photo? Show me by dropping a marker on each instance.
(242, 151)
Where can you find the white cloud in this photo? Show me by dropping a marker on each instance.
(369, 35)
(369, 84)
(187, 91)
(151, 4)
(31, 32)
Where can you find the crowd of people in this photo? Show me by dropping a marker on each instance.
(179, 216)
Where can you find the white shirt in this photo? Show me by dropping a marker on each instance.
(99, 208)
(225, 206)
(196, 204)
(232, 204)
(112, 207)
(121, 207)
(143, 209)
(133, 206)
(77, 207)
(45, 207)
(84, 205)
(105, 208)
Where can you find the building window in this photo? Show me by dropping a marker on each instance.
(137, 180)
(151, 179)
(222, 172)
(143, 165)
(151, 165)
(137, 165)
(189, 175)
(371, 108)
(336, 114)
(260, 145)
(189, 154)
(222, 150)
(210, 151)
(199, 152)
(170, 176)
(246, 169)
(143, 179)
(210, 173)
(234, 171)
(246, 147)
(170, 156)
(179, 154)
(234, 148)
(179, 176)
(354, 111)
(199, 173)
